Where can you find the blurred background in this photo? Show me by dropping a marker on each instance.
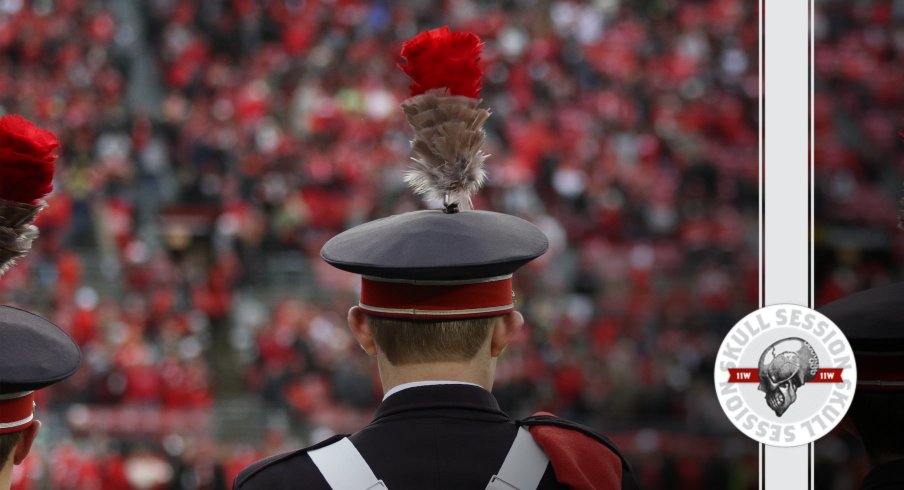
(211, 147)
(859, 179)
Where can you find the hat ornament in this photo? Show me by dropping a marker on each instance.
(27, 159)
(446, 74)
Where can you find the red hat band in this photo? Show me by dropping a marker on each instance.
(880, 371)
(17, 411)
(470, 298)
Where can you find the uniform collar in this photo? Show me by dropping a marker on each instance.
(416, 384)
(886, 475)
(446, 400)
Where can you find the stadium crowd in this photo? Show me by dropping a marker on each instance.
(210, 148)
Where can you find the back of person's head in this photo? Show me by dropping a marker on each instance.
(406, 341)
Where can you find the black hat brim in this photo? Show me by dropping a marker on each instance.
(872, 320)
(34, 352)
(433, 245)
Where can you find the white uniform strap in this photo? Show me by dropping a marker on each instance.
(523, 467)
(343, 467)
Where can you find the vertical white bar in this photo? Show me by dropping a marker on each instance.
(761, 455)
(812, 142)
(786, 183)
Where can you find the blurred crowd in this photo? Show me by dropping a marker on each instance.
(209, 148)
(858, 132)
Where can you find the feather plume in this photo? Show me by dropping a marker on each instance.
(447, 154)
(26, 160)
(443, 110)
(440, 58)
(26, 175)
(16, 231)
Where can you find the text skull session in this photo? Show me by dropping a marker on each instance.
(785, 375)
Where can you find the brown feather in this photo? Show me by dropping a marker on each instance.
(447, 146)
(16, 230)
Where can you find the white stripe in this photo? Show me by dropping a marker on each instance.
(523, 467)
(343, 467)
(417, 311)
(417, 384)
(13, 396)
(861, 382)
(787, 240)
(439, 283)
(10, 425)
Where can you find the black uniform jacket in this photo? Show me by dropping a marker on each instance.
(886, 476)
(434, 437)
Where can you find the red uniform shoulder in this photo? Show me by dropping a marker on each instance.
(581, 458)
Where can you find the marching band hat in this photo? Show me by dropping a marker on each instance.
(34, 353)
(432, 264)
(872, 322)
(454, 262)
(436, 246)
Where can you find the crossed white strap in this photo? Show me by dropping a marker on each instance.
(523, 466)
(344, 468)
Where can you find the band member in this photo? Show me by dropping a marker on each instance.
(34, 353)
(436, 309)
(871, 321)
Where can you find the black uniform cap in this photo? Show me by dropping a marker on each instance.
(439, 246)
(34, 353)
(872, 320)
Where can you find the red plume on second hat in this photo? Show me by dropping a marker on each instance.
(34, 352)
(27, 160)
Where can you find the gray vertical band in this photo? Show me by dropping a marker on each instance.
(785, 193)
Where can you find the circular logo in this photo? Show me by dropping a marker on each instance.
(785, 375)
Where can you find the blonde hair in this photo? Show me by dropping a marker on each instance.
(407, 341)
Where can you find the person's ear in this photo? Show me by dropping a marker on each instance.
(357, 323)
(24, 445)
(503, 331)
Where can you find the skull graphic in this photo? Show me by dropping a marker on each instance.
(784, 367)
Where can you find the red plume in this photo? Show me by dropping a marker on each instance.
(26, 160)
(440, 58)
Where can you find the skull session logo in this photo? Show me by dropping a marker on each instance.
(780, 375)
(785, 375)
